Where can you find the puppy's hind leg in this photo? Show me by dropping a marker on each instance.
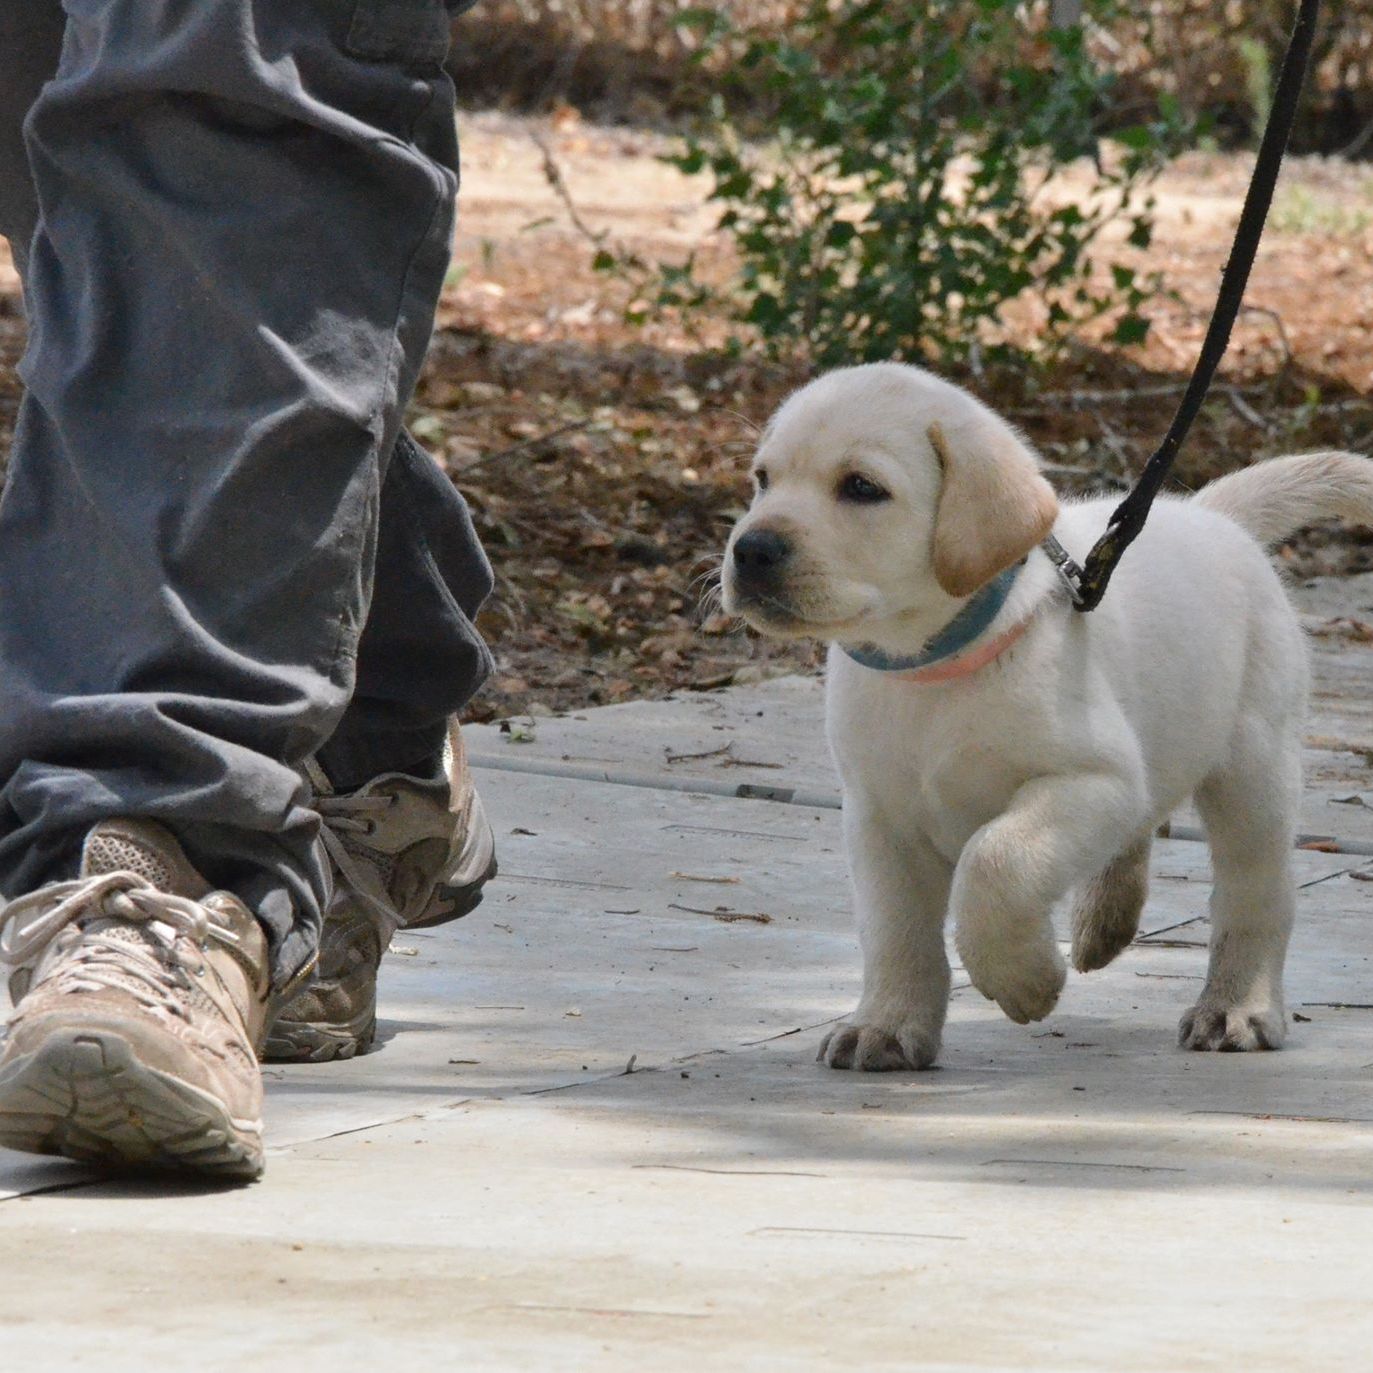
(1107, 908)
(1250, 812)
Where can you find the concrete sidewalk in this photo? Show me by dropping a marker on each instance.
(594, 1135)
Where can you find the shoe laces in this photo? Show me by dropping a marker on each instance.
(355, 816)
(150, 966)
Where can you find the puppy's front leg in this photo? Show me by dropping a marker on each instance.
(1056, 831)
(901, 889)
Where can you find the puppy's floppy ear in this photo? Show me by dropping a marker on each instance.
(994, 507)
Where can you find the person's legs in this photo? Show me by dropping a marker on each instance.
(30, 43)
(408, 838)
(246, 210)
(420, 659)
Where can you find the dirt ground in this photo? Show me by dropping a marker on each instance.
(605, 462)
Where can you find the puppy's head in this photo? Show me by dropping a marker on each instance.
(882, 494)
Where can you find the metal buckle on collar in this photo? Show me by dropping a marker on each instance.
(1069, 573)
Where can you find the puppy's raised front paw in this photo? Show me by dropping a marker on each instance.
(872, 1050)
(1026, 986)
(1231, 1029)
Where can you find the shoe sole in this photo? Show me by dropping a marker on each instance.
(86, 1095)
(305, 1041)
(475, 867)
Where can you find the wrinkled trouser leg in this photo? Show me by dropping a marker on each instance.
(420, 659)
(244, 215)
(30, 43)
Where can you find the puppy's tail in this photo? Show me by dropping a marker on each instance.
(1273, 498)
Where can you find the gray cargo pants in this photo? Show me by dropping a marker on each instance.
(219, 553)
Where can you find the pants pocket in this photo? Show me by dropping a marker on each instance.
(410, 32)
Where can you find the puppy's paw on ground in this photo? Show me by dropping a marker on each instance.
(1231, 1029)
(870, 1050)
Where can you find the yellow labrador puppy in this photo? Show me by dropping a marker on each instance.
(997, 749)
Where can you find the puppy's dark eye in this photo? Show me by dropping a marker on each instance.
(760, 478)
(862, 490)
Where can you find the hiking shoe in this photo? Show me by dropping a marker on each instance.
(405, 854)
(140, 997)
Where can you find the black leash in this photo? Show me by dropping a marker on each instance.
(1087, 584)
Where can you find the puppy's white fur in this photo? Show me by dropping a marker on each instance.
(991, 797)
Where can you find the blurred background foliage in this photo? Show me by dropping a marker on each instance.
(633, 61)
(893, 177)
(913, 181)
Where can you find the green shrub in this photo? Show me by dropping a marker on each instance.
(900, 199)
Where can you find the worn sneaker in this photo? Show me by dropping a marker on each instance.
(405, 854)
(140, 998)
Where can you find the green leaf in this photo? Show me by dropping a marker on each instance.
(1130, 328)
(1138, 136)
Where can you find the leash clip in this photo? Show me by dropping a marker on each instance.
(1069, 573)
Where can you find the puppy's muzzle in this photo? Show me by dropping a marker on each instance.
(760, 559)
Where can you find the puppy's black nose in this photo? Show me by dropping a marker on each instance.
(759, 554)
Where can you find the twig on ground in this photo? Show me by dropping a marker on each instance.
(1278, 325)
(1063, 469)
(553, 174)
(1113, 441)
(523, 446)
(723, 752)
(1243, 409)
(787, 1034)
(1165, 929)
(724, 915)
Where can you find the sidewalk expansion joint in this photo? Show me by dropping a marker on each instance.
(808, 797)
